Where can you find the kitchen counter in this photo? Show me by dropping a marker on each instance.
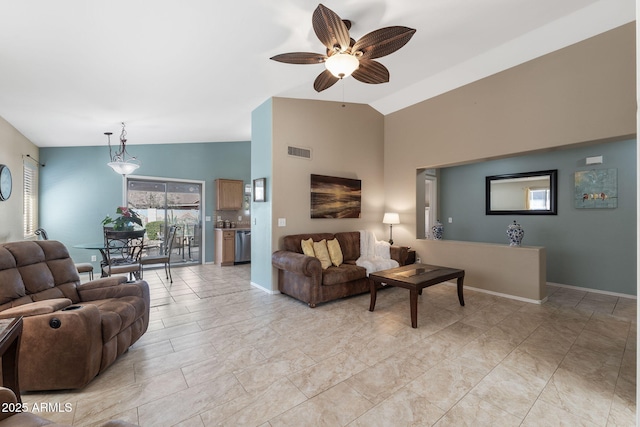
(232, 245)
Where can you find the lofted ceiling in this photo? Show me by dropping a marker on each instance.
(192, 71)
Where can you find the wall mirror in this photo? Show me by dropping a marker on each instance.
(528, 193)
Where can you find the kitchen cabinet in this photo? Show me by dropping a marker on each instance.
(229, 194)
(225, 246)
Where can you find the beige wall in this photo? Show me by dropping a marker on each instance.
(519, 272)
(13, 147)
(585, 92)
(346, 142)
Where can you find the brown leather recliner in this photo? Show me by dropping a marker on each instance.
(71, 331)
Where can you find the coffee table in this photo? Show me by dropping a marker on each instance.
(415, 277)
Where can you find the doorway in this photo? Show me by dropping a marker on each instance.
(426, 202)
(430, 204)
(162, 203)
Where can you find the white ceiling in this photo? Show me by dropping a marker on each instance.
(192, 71)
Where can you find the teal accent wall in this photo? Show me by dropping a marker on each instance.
(261, 167)
(78, 189)
(590, 248)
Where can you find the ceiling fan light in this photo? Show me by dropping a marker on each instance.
(342, 65)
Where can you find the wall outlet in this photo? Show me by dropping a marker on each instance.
(239, 217)
(450, 220)
(94, 258)
(282, 222)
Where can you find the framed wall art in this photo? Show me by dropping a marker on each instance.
(259, 186)
(333, 197)
(596, 189)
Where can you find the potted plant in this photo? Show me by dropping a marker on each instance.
(126, 220)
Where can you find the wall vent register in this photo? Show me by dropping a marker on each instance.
(304, 153)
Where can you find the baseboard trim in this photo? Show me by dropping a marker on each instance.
(595, 291)
(499, 294)
(262, 288)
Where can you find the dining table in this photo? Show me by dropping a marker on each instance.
(99, 246)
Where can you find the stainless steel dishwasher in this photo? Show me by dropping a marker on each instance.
(243, 246)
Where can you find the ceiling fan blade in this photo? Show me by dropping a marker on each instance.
(330, 29)
(300, 58)
(382, 42)
(324, 81)
(371, 72)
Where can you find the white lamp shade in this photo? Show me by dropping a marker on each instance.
(123, 168)
(391, 218)
(342, 65)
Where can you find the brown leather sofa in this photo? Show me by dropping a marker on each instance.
(71, 331)
(303, 278)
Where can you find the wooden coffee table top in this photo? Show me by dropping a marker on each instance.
(417, 274)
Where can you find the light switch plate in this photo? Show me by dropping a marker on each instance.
(282, 222)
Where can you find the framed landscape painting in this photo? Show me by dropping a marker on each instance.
(333, 197)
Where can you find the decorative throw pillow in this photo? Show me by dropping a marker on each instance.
(307, 247)
(322, 253)
(335, 253)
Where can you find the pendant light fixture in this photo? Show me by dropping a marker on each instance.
(119, 161)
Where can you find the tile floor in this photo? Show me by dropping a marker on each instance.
(221, 352)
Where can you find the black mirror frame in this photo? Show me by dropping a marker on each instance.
(553, 187)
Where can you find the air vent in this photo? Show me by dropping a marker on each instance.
(304, 153)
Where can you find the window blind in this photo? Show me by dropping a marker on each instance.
(30, 198)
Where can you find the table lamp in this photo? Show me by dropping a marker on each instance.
(391, 218)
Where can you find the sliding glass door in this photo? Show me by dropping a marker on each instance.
(163, 203)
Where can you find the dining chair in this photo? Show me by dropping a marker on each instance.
(82, 267)
(164, 257)
(42, 233)
(123, 250)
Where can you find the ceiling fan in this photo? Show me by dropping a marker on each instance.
(345, 56)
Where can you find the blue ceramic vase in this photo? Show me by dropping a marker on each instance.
(437, 230)
(515, 233)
